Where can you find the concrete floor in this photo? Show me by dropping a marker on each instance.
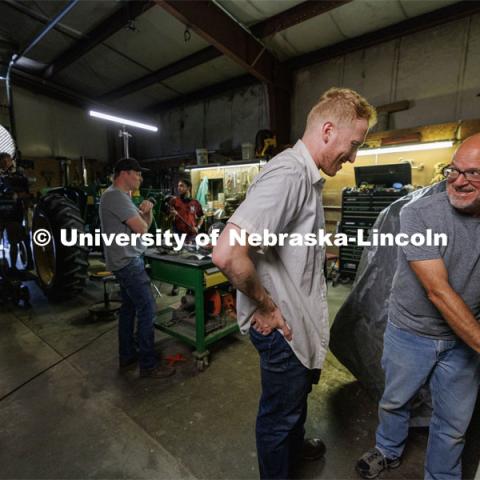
(65, 411)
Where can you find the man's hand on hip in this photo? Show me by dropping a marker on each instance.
(265, 321)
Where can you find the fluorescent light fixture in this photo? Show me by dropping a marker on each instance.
(123, 121)
(194, 167)
(405, 148)
(213, 167)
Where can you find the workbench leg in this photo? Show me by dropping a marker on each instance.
(201, 354)
(201, 360)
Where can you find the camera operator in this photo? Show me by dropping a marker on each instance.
(7, 164)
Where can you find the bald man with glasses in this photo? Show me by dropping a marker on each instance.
(433, 333)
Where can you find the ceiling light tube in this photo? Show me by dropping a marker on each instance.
(216, 167)
(123, 121)
(405, 148)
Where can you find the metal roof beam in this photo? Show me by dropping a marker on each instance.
(126, 13)
(60, 93)
(282, 21)
(227, 35)
(230, 37)
(168, 71)
(293, 16)
(23, 79)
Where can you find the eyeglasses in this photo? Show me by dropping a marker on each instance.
(452, 173)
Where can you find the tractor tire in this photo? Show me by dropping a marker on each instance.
(61, 270)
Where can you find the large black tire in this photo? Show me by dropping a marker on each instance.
(61, 270)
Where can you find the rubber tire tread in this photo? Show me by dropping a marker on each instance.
(71, 263)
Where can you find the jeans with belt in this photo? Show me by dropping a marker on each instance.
(286, 384)
(451, 369)
(137, 301)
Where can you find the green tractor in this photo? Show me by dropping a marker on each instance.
(62, 271)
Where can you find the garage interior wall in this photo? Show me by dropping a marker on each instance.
(436, 69)
(48, 131)
(219, 123)
(48, 128)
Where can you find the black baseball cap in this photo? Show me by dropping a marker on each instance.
(129, 164)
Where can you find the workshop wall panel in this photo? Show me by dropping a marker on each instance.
(249, 114)
(170, 124)
(218, 123)
(35, 133)
(360, 72)
(429, 70)
(470, 93)
(221, 123)
(179, 130)
(309, 84)
(48, 128)
(192, 127)
(436, 69)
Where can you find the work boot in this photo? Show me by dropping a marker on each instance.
(313, 449)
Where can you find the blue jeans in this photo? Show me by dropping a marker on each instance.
(451, 369)
(286, 384)
(137, 300)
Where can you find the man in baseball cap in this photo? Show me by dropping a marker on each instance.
(119, 215)
(127, 164)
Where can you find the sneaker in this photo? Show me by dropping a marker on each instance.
(313, 449)
(373, 462)
(162, 371)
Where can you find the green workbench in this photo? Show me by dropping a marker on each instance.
(197, 275)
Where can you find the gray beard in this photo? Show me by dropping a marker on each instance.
(470, 209)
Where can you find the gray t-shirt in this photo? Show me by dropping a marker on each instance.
(286, 197)
(116, 207)
(410, 307)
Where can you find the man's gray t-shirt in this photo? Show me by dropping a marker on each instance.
(409, 306)
(116, 207)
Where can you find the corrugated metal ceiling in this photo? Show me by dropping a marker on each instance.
(156, 39)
